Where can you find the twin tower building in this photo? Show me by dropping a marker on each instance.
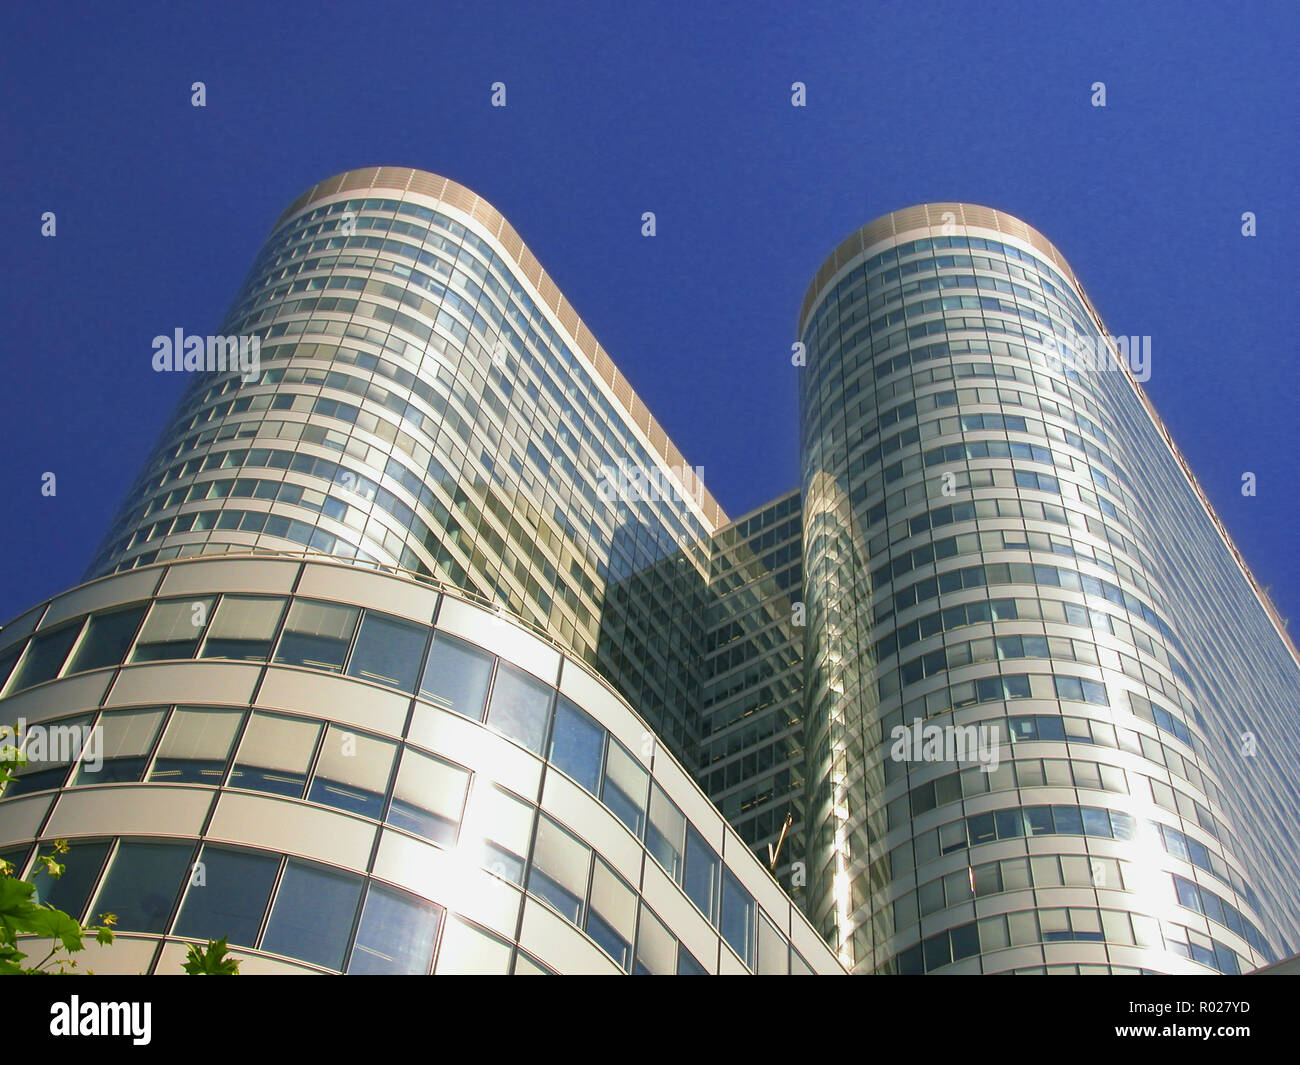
(418, 647)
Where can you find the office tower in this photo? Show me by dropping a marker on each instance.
(428, 399)
(1001, 538)
(391, 661)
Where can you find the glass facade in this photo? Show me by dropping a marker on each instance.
(424, 399)
(424, 405)
(1001, 539)
(422, 624)
(479, 802)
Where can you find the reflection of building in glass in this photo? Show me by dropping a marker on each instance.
(751, 759)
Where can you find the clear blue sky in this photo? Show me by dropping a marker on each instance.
(672, 109)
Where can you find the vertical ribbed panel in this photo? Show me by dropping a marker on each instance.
(426, 184)
(568, 317)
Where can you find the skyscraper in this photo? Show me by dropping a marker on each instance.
(416, 640)
(1004, 549)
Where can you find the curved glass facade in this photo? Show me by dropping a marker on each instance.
(346, 771)
(425, 398)
(422, 619)
(1026, 754)
(430, 754)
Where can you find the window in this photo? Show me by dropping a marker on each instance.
(529, 966)
(172, 630)
(1123, 825)
(666, 833)
(498, 827)
(396, 935)
(700, 878)
(520, 706)
(467, 950)
(456, 676)
(577, 744)
(49, 754)
(352, 773)
(965, 941)
(1069, 822)
(312, 915)
(687, 965)
(1016, 686)
(275, 755)
(773, 951)
(108, 638)
(1010, 824)
(142, 883)
(559, 869)
(1096, 822)
(230, 897)
(44, 657)
(243, 628)
(1055, 925)
(196, 746)
(626, 783)
(1022, 928)
(611, 917)
(930, 897)
(1094, 692)
(952, 836)
(16, 857)
(982, 828)
(738, 914)
(937, 951)
(656, 947)
(993, 933)
(81, 866)
(125, 739)
(8, 659)
(1039, 820)
(429, 797)
(388, 651)
(317, 635)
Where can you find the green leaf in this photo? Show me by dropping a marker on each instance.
(13, 891)
(53, 868)
(210, 961)
(10, 960)
(16, 908)
(20, 916)
(47, 921)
